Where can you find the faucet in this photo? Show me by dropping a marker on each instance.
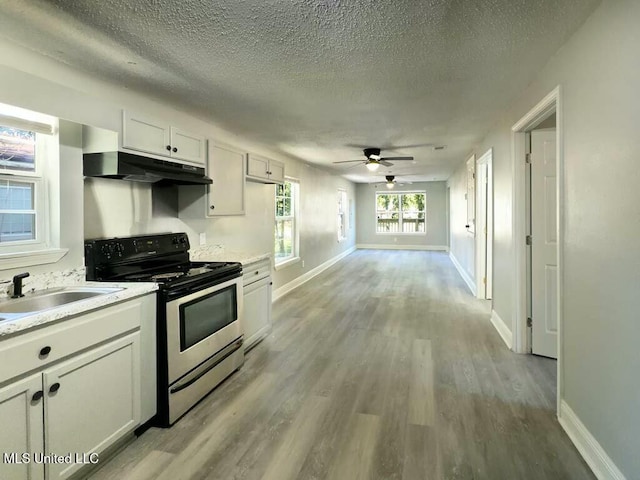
(17, 285)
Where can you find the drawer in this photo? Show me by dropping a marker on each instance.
(37, 349)
(256, 271)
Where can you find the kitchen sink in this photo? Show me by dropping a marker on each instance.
(51, 299)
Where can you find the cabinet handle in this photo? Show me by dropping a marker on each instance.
(54, 388)
(257, 271)
(212, 207)
(37, 396)
(174, 149)
(169, 147)
(44, 351)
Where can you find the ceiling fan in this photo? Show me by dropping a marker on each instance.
(374, 160)
(391, 182)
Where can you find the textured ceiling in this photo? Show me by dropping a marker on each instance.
(316, 79)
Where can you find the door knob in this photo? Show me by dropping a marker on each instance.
(54, 388)
(37, 396)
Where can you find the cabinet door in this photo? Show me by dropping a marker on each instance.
(146, 135)
(257, 311)
(276, 171)
(187, 146)
(257, 167)
(21, 416)
(227, 169)
(91, 401)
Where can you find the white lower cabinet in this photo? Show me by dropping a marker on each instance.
(257, 302)
(21, 417)
(90, 402)
(86, 394)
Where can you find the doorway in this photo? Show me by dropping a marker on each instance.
(484, 225)
(527, 199)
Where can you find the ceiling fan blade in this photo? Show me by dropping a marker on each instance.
(401, 147)
(397, 158)
(350, 161)
(383, 162)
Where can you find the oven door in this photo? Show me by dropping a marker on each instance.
(201, 324)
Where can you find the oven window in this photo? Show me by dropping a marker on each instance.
(206, 315)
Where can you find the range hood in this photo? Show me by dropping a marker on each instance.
(136, 168)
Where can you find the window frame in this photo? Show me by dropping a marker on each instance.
(281, 262)
(42, 249)
(400, 212)
(342, 226)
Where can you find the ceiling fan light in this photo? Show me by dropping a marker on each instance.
(372, 165)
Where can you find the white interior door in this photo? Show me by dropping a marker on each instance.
(484, 224)
(481, 231)
(544, 244)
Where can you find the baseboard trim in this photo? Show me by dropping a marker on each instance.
(465, 276)
(382, 246)
(592, 452)
(502, 329)
(304, 278)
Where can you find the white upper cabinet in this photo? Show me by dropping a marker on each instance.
(226, 168)
(260, 169)
(187, 146)
(159, 138)
(225, 196)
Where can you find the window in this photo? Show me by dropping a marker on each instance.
(342, 215)
(401, 213)
(27, 146)
(20, 183)
(286, 231)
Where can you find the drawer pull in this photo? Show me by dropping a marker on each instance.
(44, 351)
(37, 396)
(54, 388)
(257, 271)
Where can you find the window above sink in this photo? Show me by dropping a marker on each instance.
(29, 185)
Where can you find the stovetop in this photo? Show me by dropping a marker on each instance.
(161, 258)
(180, 274)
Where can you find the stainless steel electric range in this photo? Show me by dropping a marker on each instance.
(199, 327)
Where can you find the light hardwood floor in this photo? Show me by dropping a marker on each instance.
(383, 367)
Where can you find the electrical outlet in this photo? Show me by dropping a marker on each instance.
(203, 238)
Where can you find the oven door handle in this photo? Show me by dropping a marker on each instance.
(196, 374)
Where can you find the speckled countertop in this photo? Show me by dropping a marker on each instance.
(216, 253)
(20, 322)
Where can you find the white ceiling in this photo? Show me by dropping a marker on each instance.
(316, 79)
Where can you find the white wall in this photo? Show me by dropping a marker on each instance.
(113, 207)
(599, 73)
(436, 217)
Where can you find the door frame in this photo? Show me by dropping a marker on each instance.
(546, 107)
(484, 218)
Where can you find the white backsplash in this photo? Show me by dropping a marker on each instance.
(43, 281)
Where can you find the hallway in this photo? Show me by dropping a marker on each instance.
(383, 367)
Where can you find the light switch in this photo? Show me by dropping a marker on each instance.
(203, 238)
